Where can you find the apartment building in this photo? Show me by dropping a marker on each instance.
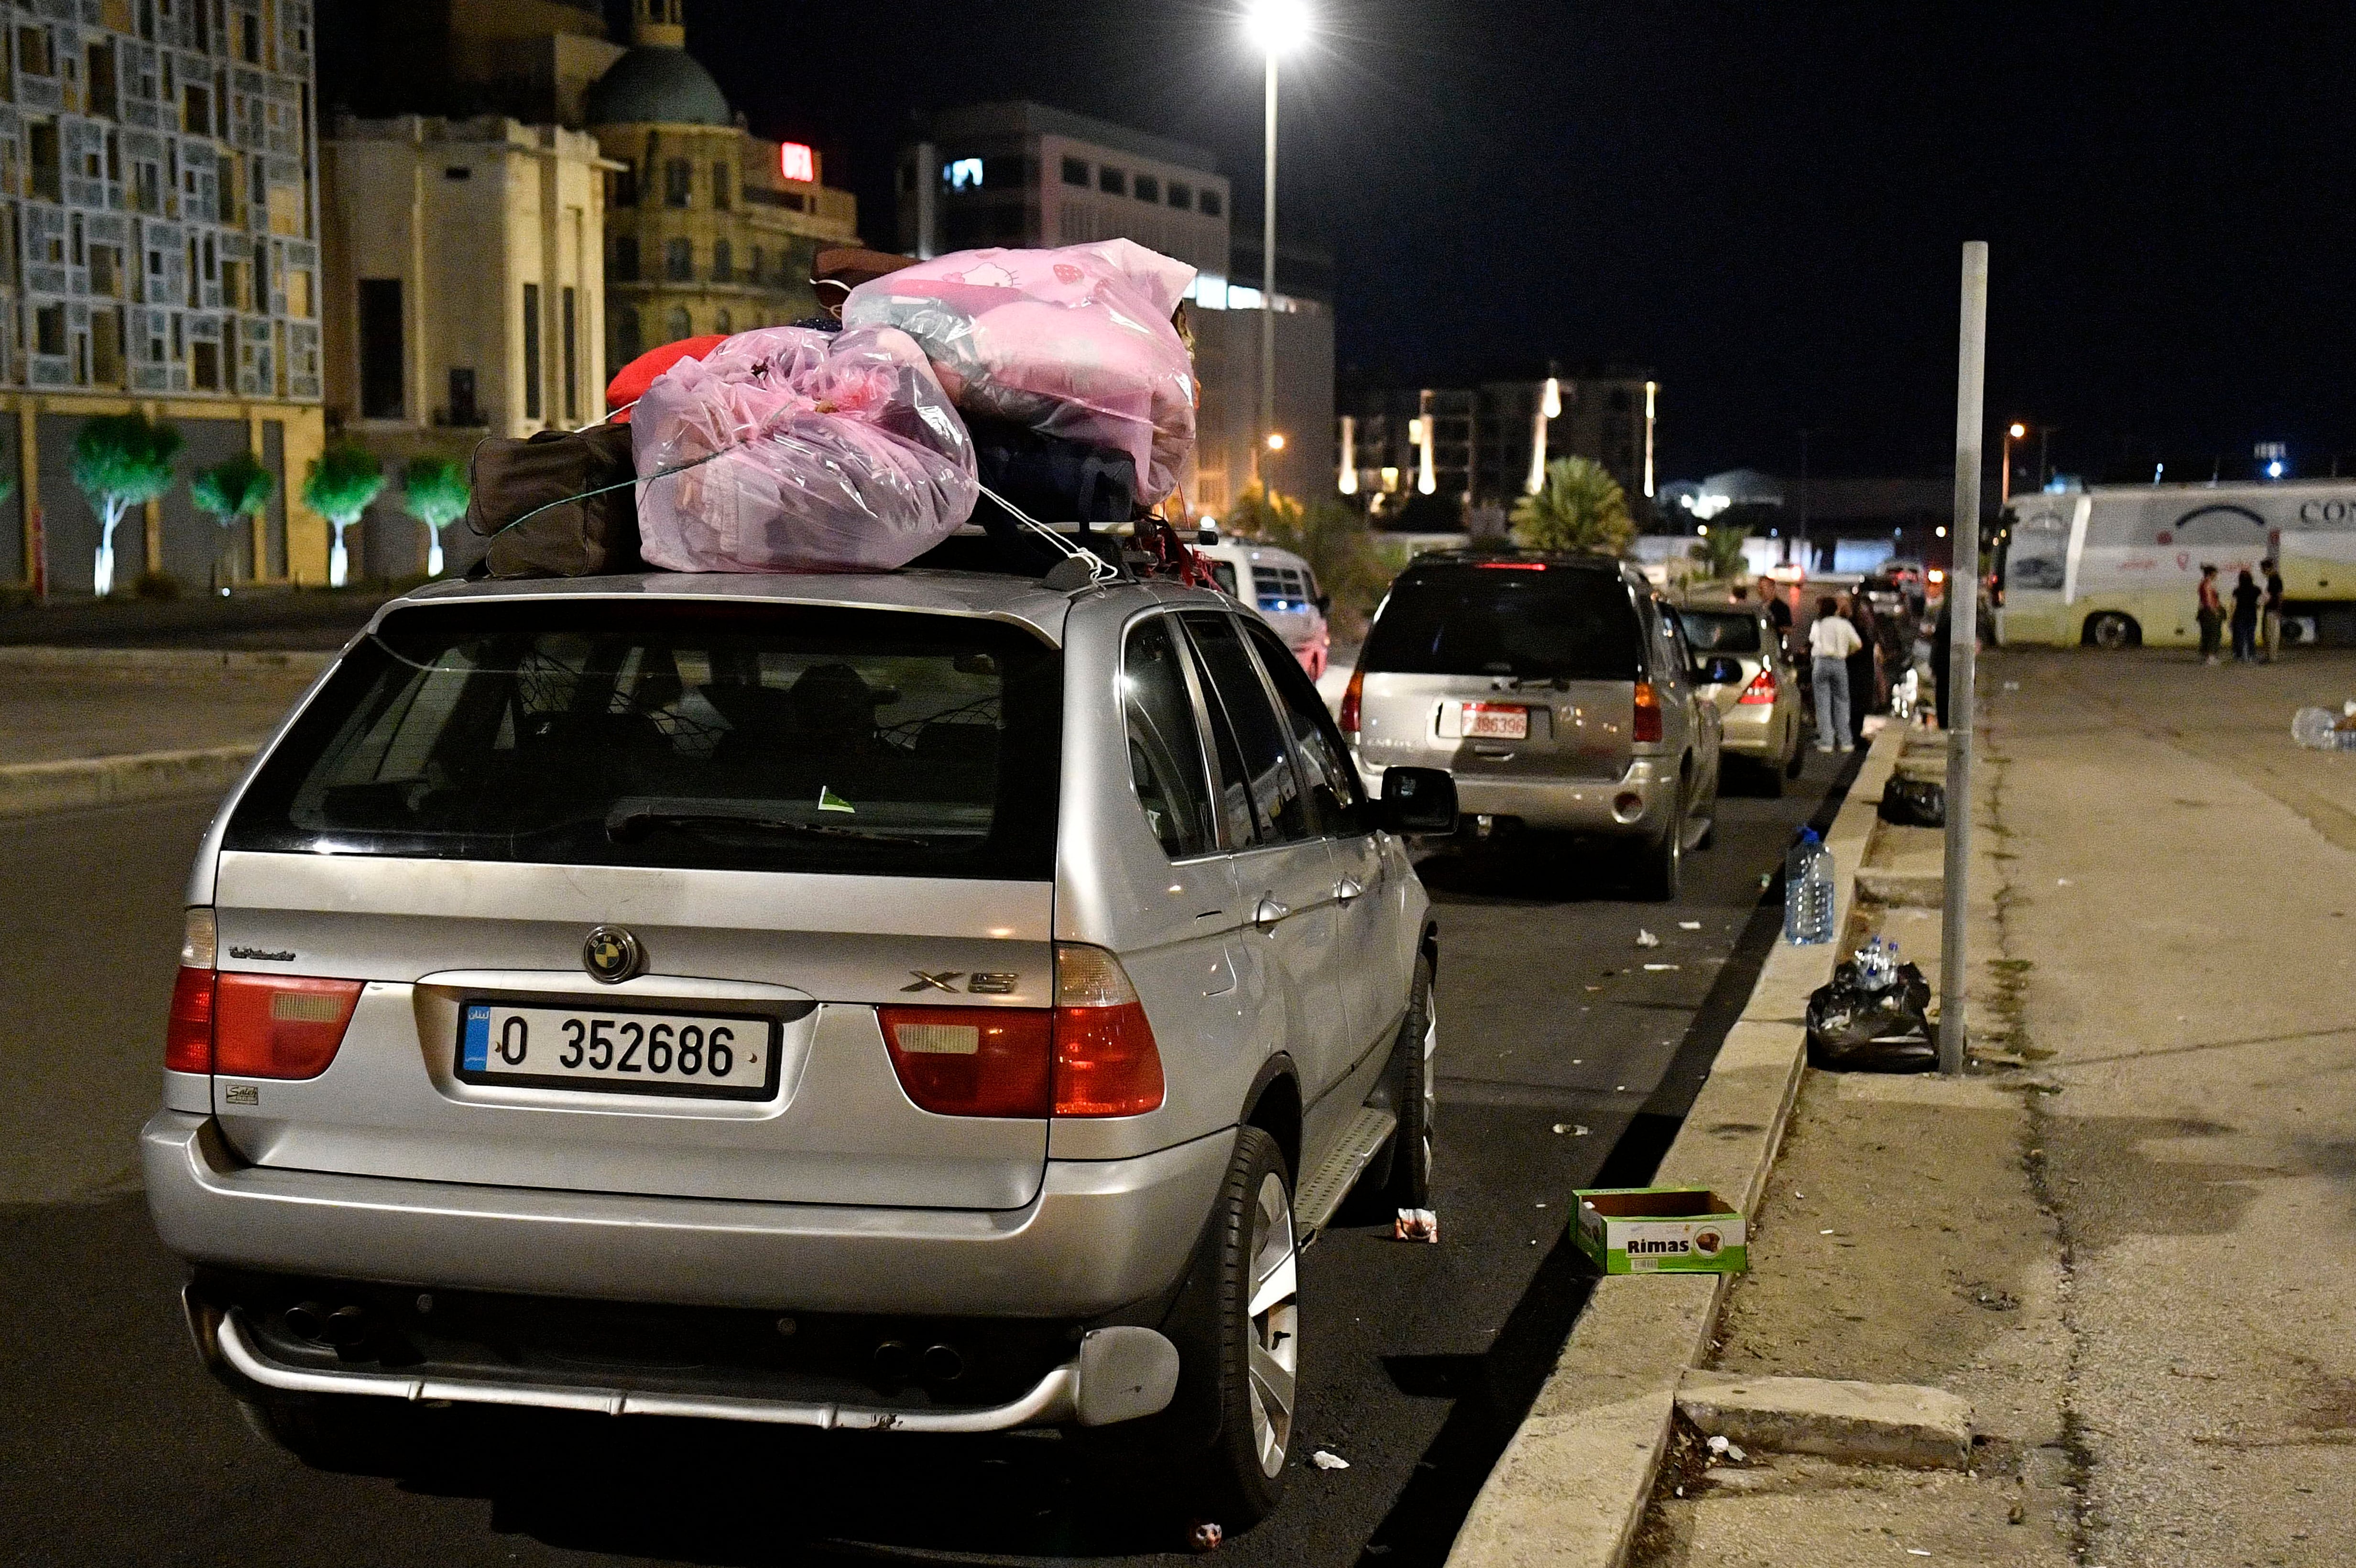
(158, 252)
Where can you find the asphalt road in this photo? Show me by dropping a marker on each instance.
(1418, 1361)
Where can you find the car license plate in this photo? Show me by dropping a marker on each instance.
(715, 1056)
(1497, 721)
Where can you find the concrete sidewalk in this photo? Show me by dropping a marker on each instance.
(2127, 1238)
(77, 704)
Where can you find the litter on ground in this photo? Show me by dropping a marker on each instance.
(1326, 1460)
(1646, 938)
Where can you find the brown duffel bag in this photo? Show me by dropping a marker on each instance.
(533, 500)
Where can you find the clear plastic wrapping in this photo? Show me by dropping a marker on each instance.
(1075, 343)
(787, 450)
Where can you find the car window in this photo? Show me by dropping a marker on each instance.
(619, 732)
(1721, 630)
(1165, 748)
(1280, 809)
(1512, 617)
(1333, 786)
(1280, 588)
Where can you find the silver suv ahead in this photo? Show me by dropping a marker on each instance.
(898, 1001)
(1556, 688)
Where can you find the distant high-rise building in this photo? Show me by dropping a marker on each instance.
(1476, 450)
(158, 252)
(1026, 175)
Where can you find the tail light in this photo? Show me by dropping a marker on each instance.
(1092, 1055)
(1761, 688)
(280, 1026)
(1106, 1061)
(973, 1062)
(1648, 713)
(1351, 697)
(251, 1026)
(188, 1033)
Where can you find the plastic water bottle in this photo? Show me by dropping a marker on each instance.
(2317, 728)
(1877, 966)
(1808, 891)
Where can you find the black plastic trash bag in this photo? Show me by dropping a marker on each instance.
(1853, 1029)
(1914, 802)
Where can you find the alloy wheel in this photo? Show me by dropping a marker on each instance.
(1274, 1324)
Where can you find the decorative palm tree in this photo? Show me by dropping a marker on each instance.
(1719, 551)
(237, 487)
(121, 461)
(1579, 507)
(341, 483)
(434, 490)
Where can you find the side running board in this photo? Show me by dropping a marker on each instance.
(1322, 1194)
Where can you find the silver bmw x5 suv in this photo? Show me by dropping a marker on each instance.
(928, 1001)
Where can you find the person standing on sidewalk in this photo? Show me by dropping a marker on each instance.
(1864, 671)
(1779, 612)
(2212, 614)
(2245, 619)
(1831, 642)
(2273, 609)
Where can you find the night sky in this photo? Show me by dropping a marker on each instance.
(1763, 202)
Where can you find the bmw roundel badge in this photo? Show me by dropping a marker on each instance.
(612, 954)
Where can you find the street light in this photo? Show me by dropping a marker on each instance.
(2014, 432)
(1276, 29)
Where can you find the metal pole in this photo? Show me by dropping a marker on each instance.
(1267, 284)
(1962, 627)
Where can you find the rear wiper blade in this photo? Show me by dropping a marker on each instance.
(633, 817)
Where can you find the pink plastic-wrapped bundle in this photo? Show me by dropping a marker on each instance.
(819, 454)
(1075, 343)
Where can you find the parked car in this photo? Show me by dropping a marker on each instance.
(1557, 689)
(1281, 586)
(924, 1001)
(1760, 709)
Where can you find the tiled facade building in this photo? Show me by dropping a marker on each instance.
(158, 251)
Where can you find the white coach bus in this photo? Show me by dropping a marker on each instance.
(2118, 565)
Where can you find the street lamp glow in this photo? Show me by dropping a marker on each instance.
(1277, 27)
(2016, 431)
(1276, 441)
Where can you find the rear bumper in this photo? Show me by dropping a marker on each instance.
(1101, 1234)
(1572, 805)
(1118, 1374)
(1754, 731)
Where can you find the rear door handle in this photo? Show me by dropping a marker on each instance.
(1268, 913)
(1347, 889)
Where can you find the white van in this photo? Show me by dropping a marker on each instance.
(1279, 585)
(2118, 565)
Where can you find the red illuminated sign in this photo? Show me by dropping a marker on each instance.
(796, 162)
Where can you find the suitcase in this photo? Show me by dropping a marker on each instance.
(561, 503)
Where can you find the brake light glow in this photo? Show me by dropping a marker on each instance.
(1513, 566)
(1093, 1054)
(1352, 695)
(1648, 713)
(1761, 688)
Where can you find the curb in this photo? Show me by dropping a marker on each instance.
(33, 789)
(1571, 1487)
(166, 661)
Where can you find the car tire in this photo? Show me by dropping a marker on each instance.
(1247, 1364)
(1660, 865)
(2113, 631)
(1413, 1083)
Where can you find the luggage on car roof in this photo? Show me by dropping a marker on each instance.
(561, 504)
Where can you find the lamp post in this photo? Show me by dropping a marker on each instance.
(1276, 28)
(2014, 432)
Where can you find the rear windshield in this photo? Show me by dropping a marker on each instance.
(1720, 630)
(1537, 624)
(620, 732)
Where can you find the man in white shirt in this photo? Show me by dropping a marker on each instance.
(1831, 640)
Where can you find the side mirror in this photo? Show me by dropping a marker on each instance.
(1719, 669)
(1324, 604)
(1418, 800)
